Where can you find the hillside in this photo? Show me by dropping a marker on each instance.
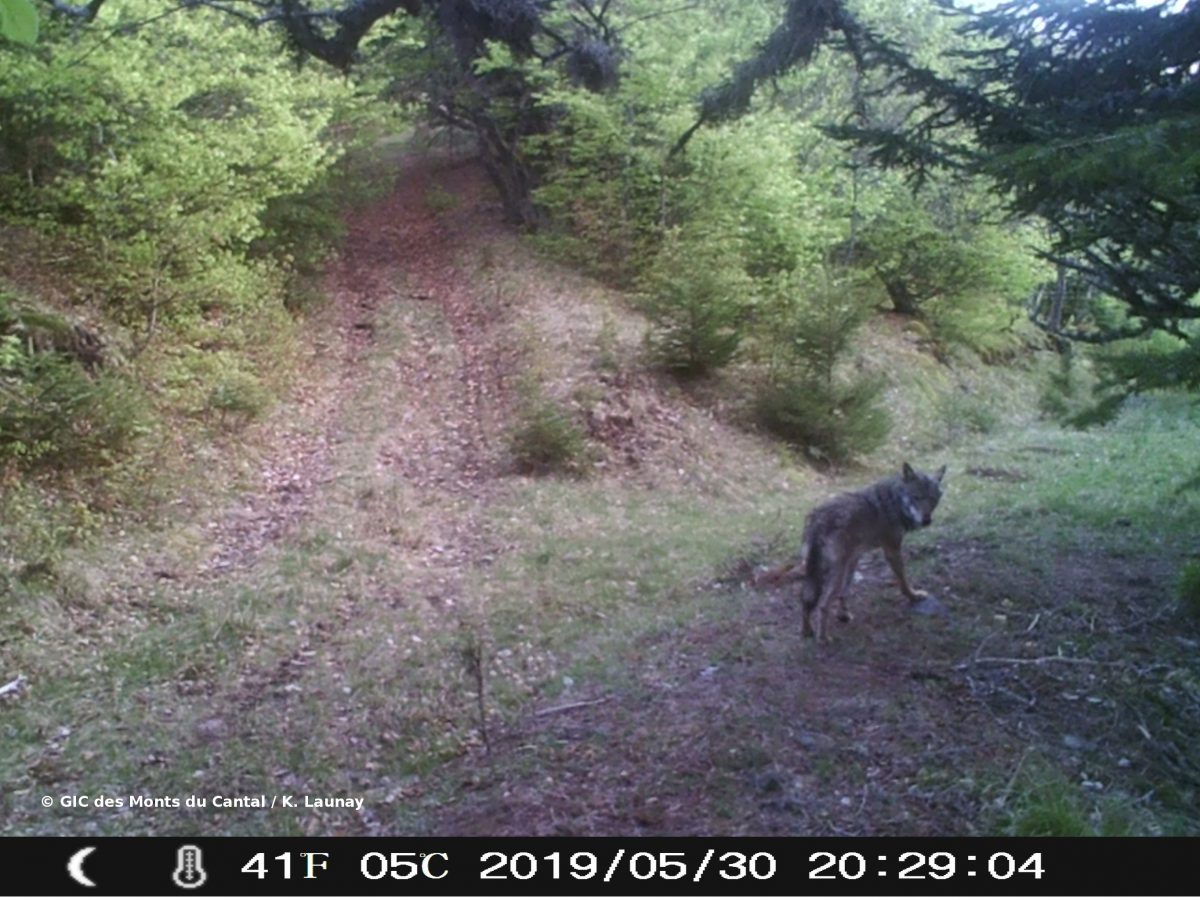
(363, 596)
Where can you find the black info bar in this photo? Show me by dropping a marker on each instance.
(481, 867)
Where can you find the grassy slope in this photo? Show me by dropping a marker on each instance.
(632, 684)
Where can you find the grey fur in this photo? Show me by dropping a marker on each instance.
(840, 530)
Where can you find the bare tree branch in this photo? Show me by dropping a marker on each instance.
(806, 25)
(350, 23)
(353, 22)
(82, 12)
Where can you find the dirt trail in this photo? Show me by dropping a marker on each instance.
(451, 376)
(446, 395)
(407, 338)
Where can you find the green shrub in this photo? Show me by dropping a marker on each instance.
(1155, 362)
(831, 422)
(54, 413)
(439, 200)
(600, 187)
(545, 439)
(218, 386)
(1189, 589)
(169, 175)
(238, 397)
(1059, 398)
(809, 399)
(698, 294)
(302, 231)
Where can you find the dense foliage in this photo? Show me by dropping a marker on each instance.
(184, 165)
(169, 171)
(715, 224)
(811, 398)
(1084, 115)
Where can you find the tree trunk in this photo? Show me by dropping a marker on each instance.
(1054, 319)
(902, 298)
(511, 176)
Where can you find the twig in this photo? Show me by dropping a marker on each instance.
(660, 12)
(551, 710)
(473, 660)
(1008, 788)
(1033, 624)
(1029, 702)
(1027, 661)
(978, 650)
(1145, 620)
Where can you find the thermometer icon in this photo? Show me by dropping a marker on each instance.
(189, 871)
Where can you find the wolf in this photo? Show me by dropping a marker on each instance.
(841, 530)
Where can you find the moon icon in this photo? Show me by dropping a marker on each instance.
(75, 867)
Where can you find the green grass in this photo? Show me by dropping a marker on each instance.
(1114, 485)
(1189, 589)
(598, 579)
(1048, 805)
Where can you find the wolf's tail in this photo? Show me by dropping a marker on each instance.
(814, 570)
(781, 574)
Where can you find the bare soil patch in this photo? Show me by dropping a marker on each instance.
(904, 725)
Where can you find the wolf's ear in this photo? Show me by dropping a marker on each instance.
(908, 472)
(939, 474)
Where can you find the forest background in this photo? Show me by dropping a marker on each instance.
(747, 251)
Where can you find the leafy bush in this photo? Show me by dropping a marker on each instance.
(54, 413)
(698, 296)
(216, 384)
(302, 230)
(831, 422)
(164, 176)
(939, 256)
(600, 189)
(808, 398)
(545, 438)
(238, 396)
(192, 205)
(1059, 397)
(1156, 362)
(439, 200)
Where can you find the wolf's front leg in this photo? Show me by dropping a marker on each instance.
(896, 561)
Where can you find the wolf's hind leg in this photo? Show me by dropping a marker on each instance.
(808, 602)
(834, 590)
(844, 614)
(845, 574)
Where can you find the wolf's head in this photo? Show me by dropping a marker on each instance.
(920, 494)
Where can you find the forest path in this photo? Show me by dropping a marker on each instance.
(365, 517)
(439, 385)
